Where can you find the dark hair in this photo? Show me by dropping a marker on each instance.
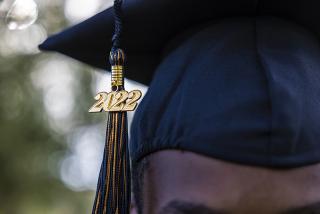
(138, 169)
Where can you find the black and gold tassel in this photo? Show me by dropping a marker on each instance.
(113, 189)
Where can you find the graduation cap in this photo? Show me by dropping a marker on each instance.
(236, 80)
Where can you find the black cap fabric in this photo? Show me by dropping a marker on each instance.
(149, 25)
(243, 89)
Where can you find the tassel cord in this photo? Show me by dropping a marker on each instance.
(118, 24)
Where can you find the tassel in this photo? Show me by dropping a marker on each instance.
(113, 190)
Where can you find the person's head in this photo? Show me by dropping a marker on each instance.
(243, 109)
(176, 182)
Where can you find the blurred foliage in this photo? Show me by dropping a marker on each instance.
(30, 151)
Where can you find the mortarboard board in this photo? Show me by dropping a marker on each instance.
(234, 80)
(149, 25)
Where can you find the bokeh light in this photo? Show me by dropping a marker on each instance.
(56, 78)
(84, 8)
(22, 42)
(21, 14)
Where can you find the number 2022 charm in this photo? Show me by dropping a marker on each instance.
(116, 101)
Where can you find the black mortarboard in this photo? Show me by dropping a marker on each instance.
(236, 79)
(149, 25)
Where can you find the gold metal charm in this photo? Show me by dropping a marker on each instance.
(116, 101)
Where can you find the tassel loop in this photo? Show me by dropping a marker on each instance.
(117, 57)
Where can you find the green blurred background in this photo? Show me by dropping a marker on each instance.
(50, 147)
